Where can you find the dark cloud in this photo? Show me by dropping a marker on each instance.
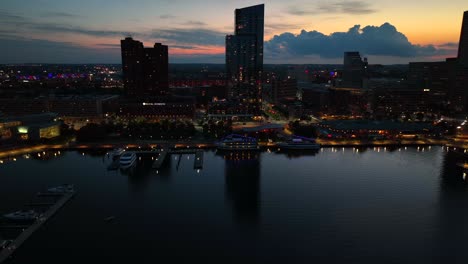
(7, 16)
(44, 51)
(344, 7)
(194, 23)
(449, 45)
(108, 45)
(61, 15)
(78, 30)
(190, 36)
(167, 16)
(370, 40)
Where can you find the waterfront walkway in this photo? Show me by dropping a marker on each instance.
(451, 142)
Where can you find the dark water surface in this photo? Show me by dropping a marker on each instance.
(337, 206)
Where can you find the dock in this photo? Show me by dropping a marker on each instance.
(160, 160)
(30, 229)
(158, 163)
(198, 163)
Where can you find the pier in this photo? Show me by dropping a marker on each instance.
(198, 163)
(162, 156)
(28, 230)
(160, 160)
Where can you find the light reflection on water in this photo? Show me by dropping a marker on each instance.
(337, 204)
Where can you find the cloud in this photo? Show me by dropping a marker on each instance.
(449, 45)
(61, 15)
(7, 16)
(45, 51)
(49, 27)
(191, 36)
(194, 23)
(382, 40)
(355, 7)
(167, 16)
(108, 45)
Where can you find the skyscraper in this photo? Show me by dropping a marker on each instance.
(353, 70)
(463, 45)
(145, 70)
(244, 52)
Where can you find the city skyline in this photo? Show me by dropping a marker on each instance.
(295, 32)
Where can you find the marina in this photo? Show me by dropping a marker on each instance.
(28, 230)
(161, 156)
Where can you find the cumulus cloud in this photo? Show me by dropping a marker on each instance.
(384, 40)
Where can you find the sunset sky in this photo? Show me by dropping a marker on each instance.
(89, 31)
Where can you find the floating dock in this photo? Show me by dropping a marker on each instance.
(30, 229)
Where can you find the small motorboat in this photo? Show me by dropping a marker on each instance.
(62, 189)
(22, 216)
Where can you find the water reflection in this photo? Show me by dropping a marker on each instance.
(242, 182)
(292, 153)
(452, 216)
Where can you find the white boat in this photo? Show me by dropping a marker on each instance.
(237, 142)
(23, 215)
(127, 160)
(300, 143)
(62, 189)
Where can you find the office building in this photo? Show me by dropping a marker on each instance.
(280, 90)
(145, 70)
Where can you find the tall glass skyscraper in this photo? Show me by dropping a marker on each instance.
(463, 45)
(244, 52)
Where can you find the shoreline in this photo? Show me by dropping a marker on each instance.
(325, 143)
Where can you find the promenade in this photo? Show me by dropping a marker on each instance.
(11, 152)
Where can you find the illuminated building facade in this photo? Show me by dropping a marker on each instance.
(244, 54)
(30, 127)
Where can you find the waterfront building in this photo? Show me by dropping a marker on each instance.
(145, 70)
(30, 127)
(244, 55)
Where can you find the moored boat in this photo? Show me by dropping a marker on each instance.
(299, 143)
(127, 160)
(62, 189)
(236, 142)
(22, 216)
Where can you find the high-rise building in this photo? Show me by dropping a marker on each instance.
(354, 69)
(244, 52)
(145, 70)
(463, 45)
